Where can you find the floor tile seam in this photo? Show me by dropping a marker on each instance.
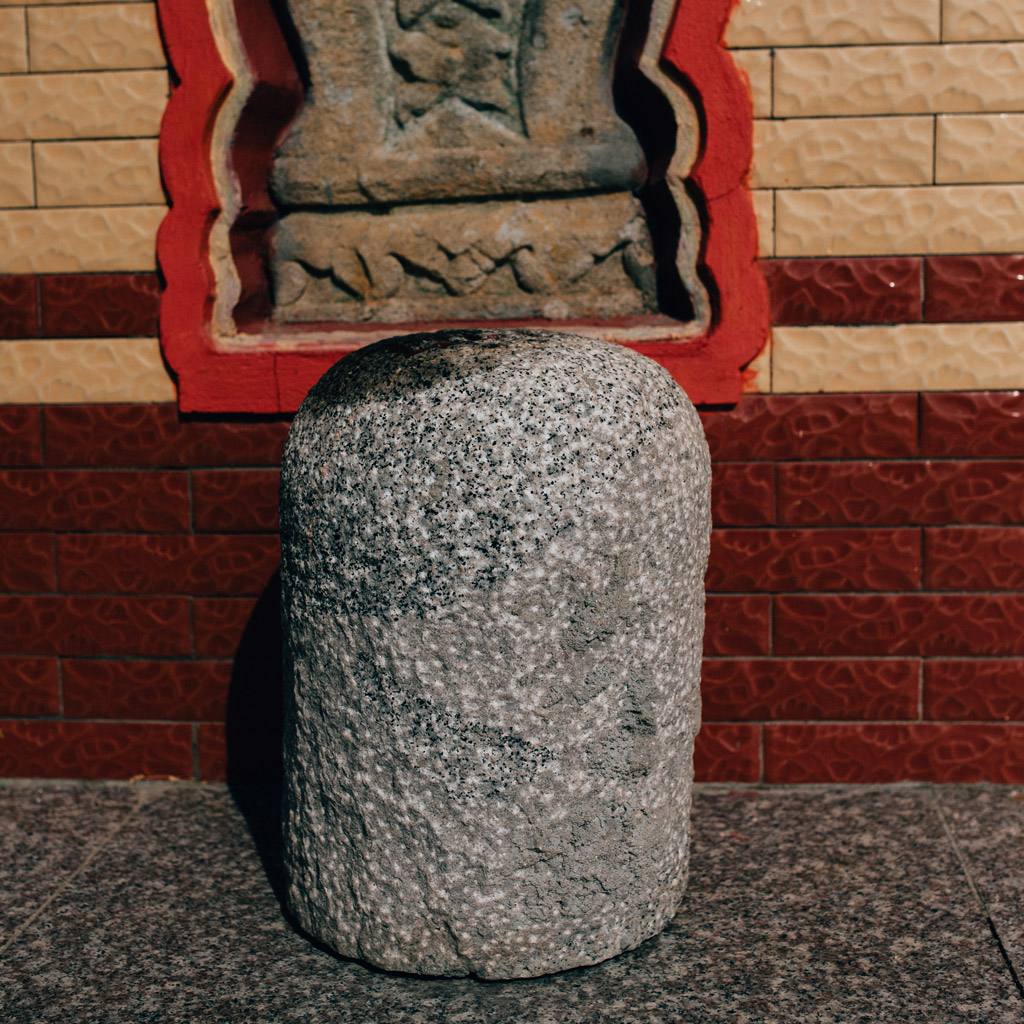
(143, 797)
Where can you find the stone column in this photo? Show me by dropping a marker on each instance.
(494, 545)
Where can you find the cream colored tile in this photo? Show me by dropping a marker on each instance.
(757, 66)
(852, 80)
(103, 104)
(824, 152)
(764, 213)
(86, 370)
(908, 357)
(828, 22)
(886, 221)
(103, 36)
(16, 174)
(980, 147)
(67, 240)
(982, 19)
(119, 171)
(40, 3)
(757, 377)
(13, 51)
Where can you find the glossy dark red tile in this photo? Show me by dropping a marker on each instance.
(212, 752)
(972, 424)
(26, 562)
(19, 308)
(50, 624)
(974, 558)
(974, 690)
(869, 290)
(864, 426)
(167, 690)
(235, 501)
(153, 502)
(924, 752)
(29, 686)
(231, 565)
(95, 750)
(20, 438)
(809, 689)
(900, 493)
(99, 305)
(777, 561)
(939, 625)
(969, 288)
(742, 493)
(219, 624)
(727, 753)
(737, 624)
(157, 435)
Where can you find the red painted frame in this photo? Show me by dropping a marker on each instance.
(265, 379)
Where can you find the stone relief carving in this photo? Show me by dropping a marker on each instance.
(463, 159)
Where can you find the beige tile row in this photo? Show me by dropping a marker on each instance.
(82, 105)
(13, 48)
(851, 22)
(101, 36)
(908, 357)
(86, 370)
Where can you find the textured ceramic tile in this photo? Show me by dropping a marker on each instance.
(826, 152)
(831, 22)
(809, 689)
(116, 172)
(16, 174)
(25, 562)
(877, 221)
(219, 625)
(94, 38)
(20, 439)
(727, 753)
(55, 241)
(99, 305)
(858, 80)
(235, 500)
(13, 51)
(182, 690)
(981, 423)
(737, 624)
(764, 212)
(19, 306)
(974, 690)
(93, 370)
(844, 290)
(979, 148)
(107, 104)
(742, 493)
(757, 66)
(966, 20)
(29, 687)
(974, 558)
(906, 357)
(972, 288)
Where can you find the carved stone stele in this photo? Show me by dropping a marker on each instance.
(463, 159)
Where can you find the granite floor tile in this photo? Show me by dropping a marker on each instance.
(828, 906)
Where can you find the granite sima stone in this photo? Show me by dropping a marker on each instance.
(494, 544)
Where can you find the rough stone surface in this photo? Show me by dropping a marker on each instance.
(494, 545)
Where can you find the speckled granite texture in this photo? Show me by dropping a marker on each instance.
(160, 903)
(493, 552)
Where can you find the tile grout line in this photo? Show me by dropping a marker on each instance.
(965, 868)
(141, 800)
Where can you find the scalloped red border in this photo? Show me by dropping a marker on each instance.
(264, 380)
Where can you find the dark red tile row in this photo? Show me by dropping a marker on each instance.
(937, 625)
(972, 288)
(974, 558)
(810, 560)
(165, 690)
(742, 493)
(727, 753)
(235, 500)
(20, 439)
(894, 753)
(51, 624)
(95, 750)
(972, 424)
(26, 562)
(780, 427)
(974, 690)
(809, 690)
(79, 306)
(737, 624)
(156, 501)
(900, 493)
(218, 625)
(29, 686)
(869, 290)
(113, 436)
(164, 564)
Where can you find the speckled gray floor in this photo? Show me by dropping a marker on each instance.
(156, 902)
